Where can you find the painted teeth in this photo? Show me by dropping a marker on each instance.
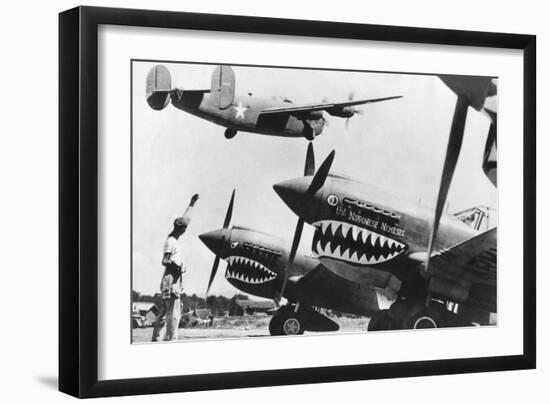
(319, 247)
(378, 248)
(345, 229)
(248, 271)
(355, 232)
(345, 255)
(364, 236)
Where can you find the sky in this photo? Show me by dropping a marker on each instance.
(397, 145)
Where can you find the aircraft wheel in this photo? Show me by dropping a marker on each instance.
(309, 133)
(293, 325)
(286, 322)
(230, 133)
(421, 317)
(382, 320)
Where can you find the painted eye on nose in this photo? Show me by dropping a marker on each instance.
(235, 244)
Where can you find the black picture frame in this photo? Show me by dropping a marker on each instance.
(78, 200)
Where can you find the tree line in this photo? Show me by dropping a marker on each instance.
(218, 305)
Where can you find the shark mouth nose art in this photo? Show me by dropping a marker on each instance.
(248, 271)
(354, 244)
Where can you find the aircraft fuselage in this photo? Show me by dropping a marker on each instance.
(244, 114)
(362, 228)
(256, 261)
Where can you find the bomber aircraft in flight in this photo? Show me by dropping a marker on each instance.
(369, 237)
(267, 116)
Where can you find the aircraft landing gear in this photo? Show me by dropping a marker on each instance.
(286, 321)
(423, 317)
(382, 320)
(412, 315)
(230, 133)
(289, 320)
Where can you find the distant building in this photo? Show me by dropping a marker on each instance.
(137, 320)
(144, 314)
(240, 307)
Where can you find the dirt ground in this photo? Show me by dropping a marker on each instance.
(238, 327)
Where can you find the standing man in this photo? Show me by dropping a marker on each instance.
(171, 284)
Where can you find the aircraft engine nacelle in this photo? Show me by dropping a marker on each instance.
(310, 116)
(344, 112)
(158, 87)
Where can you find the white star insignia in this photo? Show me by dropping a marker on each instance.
(240, 110)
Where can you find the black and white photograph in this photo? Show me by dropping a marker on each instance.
(273, 201)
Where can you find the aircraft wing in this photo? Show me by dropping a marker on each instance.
(467, 272)
(302, 108)
(323, 288)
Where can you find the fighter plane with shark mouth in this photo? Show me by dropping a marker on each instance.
(363, 233)
(277, 116)
(262, 265)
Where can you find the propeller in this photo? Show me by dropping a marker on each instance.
(226, 222)
(470, 91)
(309, 168)
(356, 111)
(316, 183)
(451, 157)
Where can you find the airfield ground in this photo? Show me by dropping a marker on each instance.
(238, 327)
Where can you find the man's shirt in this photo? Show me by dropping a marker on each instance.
(171, 247)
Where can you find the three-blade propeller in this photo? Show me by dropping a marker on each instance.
(316, 183)
(226, 222)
